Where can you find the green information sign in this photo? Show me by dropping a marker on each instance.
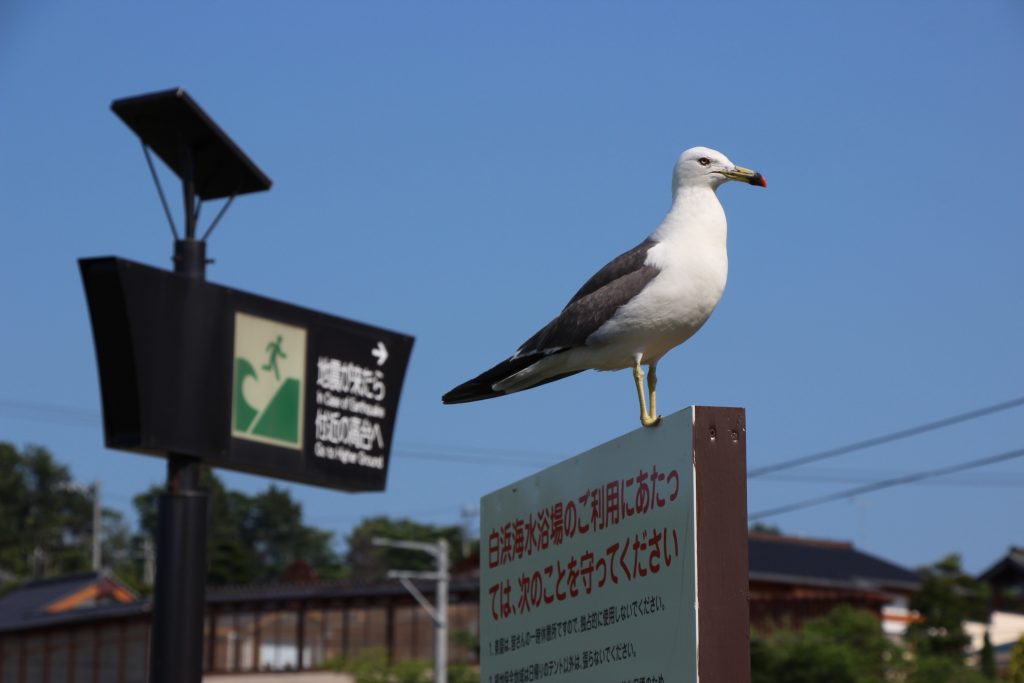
(269, 381)
(625, 563)
(589, 572)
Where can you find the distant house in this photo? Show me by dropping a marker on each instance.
(63, 594)
(303, 623)
(795, 579)
(90, 629)
(1005, 624)
(1007, 580)
(71, 628)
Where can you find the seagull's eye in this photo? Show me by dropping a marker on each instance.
(704, 161)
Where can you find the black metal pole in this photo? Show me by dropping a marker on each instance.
(179, 601)
(180, 593)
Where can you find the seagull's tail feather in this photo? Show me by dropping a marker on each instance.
(482, 386)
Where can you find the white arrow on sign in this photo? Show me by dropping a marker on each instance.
(380, 353)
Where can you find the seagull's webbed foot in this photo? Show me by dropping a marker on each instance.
(647, 419)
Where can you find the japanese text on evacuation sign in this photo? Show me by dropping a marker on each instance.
(349, 413)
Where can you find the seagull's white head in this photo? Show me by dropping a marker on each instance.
(705, 167)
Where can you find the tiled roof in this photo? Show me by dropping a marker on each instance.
(1009, 567)
(35, 596)
(776, 559)
(328, 590)
(33, 601)
(824, 563)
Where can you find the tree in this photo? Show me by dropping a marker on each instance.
(123, 551)
(45, 520)
(762, 528)
(849, 646)
(370, 563)
(946, 598)
(1015, 670)
(988, 659)
(845, 646)
(273, 527)
(942, 669)
(251, 538)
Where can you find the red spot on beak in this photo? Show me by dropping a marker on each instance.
(759, 180)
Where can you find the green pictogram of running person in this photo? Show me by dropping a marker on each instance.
(275, 351)
(268, 387)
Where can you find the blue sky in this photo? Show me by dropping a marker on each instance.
(455, 170)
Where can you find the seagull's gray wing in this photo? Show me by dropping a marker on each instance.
(595, 303)
(620, 266)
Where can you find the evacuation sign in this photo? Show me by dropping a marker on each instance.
(241, 381)
(269, 380)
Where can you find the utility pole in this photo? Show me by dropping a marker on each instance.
(469, 513)
(438, 612)
(148, 562)
(96, 539)
(97, 527)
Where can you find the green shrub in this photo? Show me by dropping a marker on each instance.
(371, 666)
(410, 671)
(463, 673)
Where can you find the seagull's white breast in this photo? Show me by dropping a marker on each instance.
(692, 262)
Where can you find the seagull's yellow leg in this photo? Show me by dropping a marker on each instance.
(638, 378)
(652, 382)
(646, 419)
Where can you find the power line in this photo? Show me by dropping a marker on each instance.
(479, 450)
(472, 456)
(344, 519)
(469, 459)
(49, 413)
(980, 480)
(886, 438)
(511, 457)
(887, 483)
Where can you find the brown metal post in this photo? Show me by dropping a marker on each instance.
(121, 645)
(211, 639)
(257, 637)
(72, 654)
(97, 642)
(346, 626)
(414, 627)
(719, 451)
(301, 632)
(46, 655)
(390, 632)
(325, 616)
(22, 663)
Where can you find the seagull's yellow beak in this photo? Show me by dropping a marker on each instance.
(745, 175)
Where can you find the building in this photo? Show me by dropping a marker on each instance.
(304, 624)
(72, 628)
(90, 629)
(1005, 625)
(1006, 577)
(795, 579)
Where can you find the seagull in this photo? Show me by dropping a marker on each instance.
(643, 303)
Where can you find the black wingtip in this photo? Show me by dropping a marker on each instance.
(481, 387)
(472, 390)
